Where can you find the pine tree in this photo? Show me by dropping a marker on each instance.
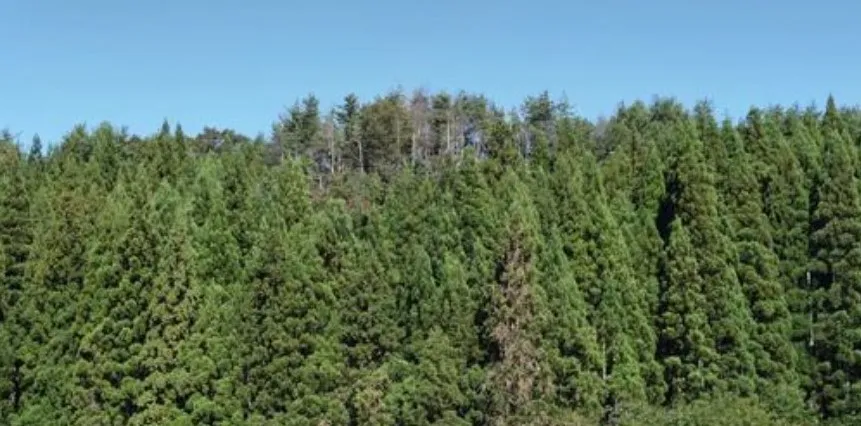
(15, 238)
(210, 351)
(836, 244)
(119, 272)
(425, 391)
(758, 274)
(693, 199)
(516, 378)
(291, 366)
(570, 340)
(686, 345)
(788, 196)
(171, 304)
(437, 260)
(478, 220)
(54, 274)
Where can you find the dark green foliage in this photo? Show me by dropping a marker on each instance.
(435, 259)
(836, 247)
(15, 238)
(685, 345)
(758, 274)
(516, 361)
(724, 411)
(708, 261)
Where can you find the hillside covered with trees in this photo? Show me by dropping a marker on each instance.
(433, 259)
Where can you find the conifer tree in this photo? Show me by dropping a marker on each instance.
(573, 351)
(714, 147)
(54, 274)
(686, 343)
(836, 245)
(438, 260)
(425, 391)
(171, 305)
(478, 220)
(107, 156)
(619, 305)
(570, 340)
(290, 367)
(693, 199)
(516, 379)
(367, 333)
(758, 273)
(634, 184)
(210, 351)
(120, 265)
(788, 195)
(15, 238)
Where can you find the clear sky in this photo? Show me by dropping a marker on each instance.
(238, 64)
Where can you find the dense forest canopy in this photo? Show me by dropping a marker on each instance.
(433, 259)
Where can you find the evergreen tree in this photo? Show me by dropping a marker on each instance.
(788, 198)
(758, 274)
(570, 340)
(437, 260)
(15, 238)
(120, 265)
(686, 345)
(210, 351)
(290, 367)
(171, 304)
(54, 275)
(618, 304)
(516, 379)
(836, 245)
(693, 199)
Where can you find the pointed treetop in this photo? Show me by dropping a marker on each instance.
(178, 133)
(731, 138)
(704, 107)
(831, 120)
(165, 128)
(36, 146)
(830, 104)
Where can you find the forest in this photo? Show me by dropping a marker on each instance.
(434, 258)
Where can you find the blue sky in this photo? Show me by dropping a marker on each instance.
(238, 64)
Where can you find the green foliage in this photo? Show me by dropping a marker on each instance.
(724, 411)
(836, 246)
(435, 259)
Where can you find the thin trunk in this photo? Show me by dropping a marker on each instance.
(398, 150)
(810, 307)
(604, 363)
(413, 154)
(447, 135)
(361, 157)
(460, 140)
(331, 152)
(16, 386)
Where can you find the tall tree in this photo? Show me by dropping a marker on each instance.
(758, 273)
(349, 119)
(692, 198)
(15, 238)
(686, 345)
(516, 378)
(836, 245)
